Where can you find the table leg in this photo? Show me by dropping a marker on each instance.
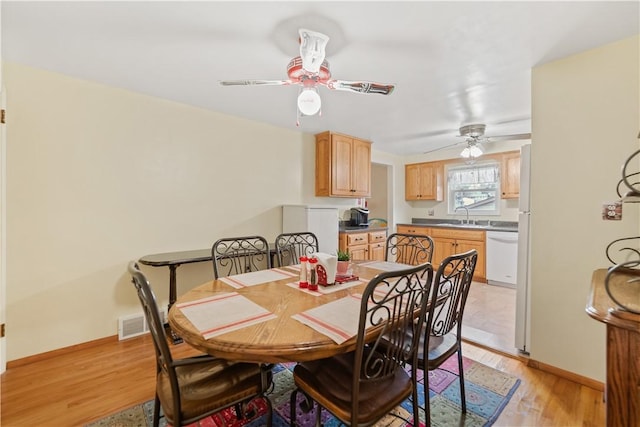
(172, 299)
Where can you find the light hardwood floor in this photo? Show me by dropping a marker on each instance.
(72, 388)
(489, 317)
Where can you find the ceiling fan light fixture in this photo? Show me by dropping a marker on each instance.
(471, 152)
(309, 102)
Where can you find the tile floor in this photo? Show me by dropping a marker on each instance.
(489, 317)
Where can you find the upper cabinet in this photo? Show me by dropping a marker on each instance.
(343, 166)
(510, 175)
(424, 181)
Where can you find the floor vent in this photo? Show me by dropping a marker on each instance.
(131, 326)
(135, 325)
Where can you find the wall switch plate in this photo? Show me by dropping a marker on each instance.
(612, 211)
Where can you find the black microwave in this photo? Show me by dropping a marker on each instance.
(359, 217)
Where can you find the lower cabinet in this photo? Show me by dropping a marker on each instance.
(449, 241)
(364, 246)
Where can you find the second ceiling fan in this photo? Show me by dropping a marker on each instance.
(311, 70)
(474, 136)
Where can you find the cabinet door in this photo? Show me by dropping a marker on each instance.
(359, 252)
(361, 168)
(424, 181)
(412, 182)
(376, 251)
(442, 248)
(510, 175)
(466, 245)
(341, 159)
(428, 181)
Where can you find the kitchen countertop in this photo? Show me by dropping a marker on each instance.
(486, 225)
(351, 229)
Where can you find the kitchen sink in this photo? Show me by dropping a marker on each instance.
(458, 225)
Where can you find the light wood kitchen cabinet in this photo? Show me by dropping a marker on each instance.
(450, 241)
(413, 229)
(364, 246)
(377, 243)
(343, 166)
(424, 181)
(510, 175)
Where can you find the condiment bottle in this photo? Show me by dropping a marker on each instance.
(313, 274)
(303, 272)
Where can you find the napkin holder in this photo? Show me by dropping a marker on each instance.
(327, 267)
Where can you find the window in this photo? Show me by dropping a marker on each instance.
(475, 187)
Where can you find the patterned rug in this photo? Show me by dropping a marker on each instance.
(488, 392)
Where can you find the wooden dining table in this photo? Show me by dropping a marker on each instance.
(280, 339)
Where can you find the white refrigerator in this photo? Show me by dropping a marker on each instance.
(321, 221)
(523, 280)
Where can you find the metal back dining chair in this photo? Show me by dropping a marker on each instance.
(237, 255)
(441, 334)
(291, 246)
(412, 249)
(361, 387)
(193, 388)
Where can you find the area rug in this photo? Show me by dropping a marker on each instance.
(488, 392)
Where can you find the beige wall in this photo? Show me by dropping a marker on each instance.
(99, 176)
(586, 118)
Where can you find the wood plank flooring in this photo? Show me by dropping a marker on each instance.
(76, 387)
(490, 316)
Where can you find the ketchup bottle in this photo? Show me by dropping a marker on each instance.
(303, 272)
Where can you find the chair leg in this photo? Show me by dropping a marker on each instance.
(427, 403)
(463, 399)
(416, 407)
(269, 411)
(292, 403)
(318, 414)
(156, 411)
(240, 409)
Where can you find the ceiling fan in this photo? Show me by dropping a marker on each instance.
(473, 135)
(310, 70)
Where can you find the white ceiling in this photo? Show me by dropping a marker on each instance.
(453, 63)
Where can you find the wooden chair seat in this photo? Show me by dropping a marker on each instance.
(209, 386)
(328, 382)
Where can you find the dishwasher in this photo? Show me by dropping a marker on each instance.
(502, 258)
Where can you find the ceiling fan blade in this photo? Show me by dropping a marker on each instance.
(360, 87)
(256, 82)
(312, 49)
(444, 148)
(513, 137)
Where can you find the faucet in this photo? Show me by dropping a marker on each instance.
(466, 209)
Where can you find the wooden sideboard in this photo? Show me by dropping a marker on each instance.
(622, 392)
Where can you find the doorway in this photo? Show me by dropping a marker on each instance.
(490, 309)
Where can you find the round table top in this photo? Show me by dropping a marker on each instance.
(282, 339)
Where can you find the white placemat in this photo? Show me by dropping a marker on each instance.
(223, 313)
(386, 266)
(338, 319)
(257, 277)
